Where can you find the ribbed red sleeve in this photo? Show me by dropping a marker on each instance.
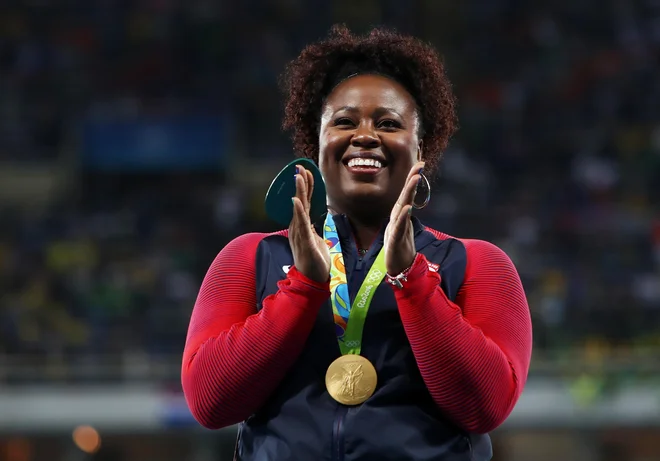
(235, 357)
(473, 354)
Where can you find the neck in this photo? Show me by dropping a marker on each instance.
(364, 233)
(365, 228)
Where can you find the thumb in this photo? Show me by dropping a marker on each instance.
(299, 214)
(302, 221)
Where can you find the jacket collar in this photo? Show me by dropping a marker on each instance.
(422, 238)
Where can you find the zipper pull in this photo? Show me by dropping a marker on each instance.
(360, 262)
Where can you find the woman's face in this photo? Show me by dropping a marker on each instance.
(368, 142)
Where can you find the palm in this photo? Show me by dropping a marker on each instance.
(399, 239)
(322, 251)
(399, 250)
(311, 255)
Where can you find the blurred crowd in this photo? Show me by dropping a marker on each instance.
(557, 160)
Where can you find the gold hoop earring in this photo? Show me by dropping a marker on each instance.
(427, 198)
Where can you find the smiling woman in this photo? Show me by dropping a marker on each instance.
(385, 339)
(367, 145)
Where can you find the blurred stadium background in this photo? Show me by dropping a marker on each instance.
(138, 137)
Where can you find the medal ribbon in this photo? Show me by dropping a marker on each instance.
(349, 320)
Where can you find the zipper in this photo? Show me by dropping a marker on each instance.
(356, 254)
(360, 262)
(358, 257)
(338, 433)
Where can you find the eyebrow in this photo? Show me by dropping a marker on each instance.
(378, 112)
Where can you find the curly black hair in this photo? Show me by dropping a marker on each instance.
(310, 77)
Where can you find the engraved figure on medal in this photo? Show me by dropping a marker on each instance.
(350, 382)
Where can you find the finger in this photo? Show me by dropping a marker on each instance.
(303, 230)
(407, 194)
(418, 180)
(300, 220)
(413, 174)
(310, 189)
(415, 170)
(301, 184)
(401, 225)
(414, 177)
(294, 218)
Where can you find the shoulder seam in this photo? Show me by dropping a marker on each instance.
(439, 235)
(263, 235)
(442, 236)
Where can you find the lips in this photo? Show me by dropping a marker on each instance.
(364, 162)
(365, 159)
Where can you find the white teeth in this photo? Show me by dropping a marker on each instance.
(364, 162)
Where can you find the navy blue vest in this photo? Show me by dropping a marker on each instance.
(301, 422)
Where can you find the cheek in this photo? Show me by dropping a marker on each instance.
(405, 146)
(325, 155)
(330, 144)
(323, 148)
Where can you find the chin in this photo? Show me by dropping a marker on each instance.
(370, 196)
(361, 189)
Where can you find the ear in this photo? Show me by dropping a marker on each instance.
(420, 149)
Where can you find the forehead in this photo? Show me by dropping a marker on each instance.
(370, 92)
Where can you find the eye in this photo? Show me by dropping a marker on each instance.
(344, 122)
(389, 124)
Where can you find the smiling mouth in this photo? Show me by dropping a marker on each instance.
(364, 166)
(364, 163)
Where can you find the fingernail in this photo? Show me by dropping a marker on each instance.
(410, 211)
(421, 170)
(297, 170)
(292, 201)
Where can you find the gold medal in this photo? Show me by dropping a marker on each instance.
(351, 379)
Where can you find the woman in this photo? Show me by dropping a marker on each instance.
(443, 354)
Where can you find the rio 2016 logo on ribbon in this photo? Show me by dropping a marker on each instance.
(375, 276)
(372, 279)
(354, 343)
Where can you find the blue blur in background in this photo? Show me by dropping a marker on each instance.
(156, 143)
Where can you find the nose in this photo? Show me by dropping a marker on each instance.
(365, 136)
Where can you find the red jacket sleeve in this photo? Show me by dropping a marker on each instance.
(235, 357)
(474, 354)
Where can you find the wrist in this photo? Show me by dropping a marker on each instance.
(412, 272)
(312, 279)
(400, 268)
(400, 278)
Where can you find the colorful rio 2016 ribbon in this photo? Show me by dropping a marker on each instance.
(349, 320)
